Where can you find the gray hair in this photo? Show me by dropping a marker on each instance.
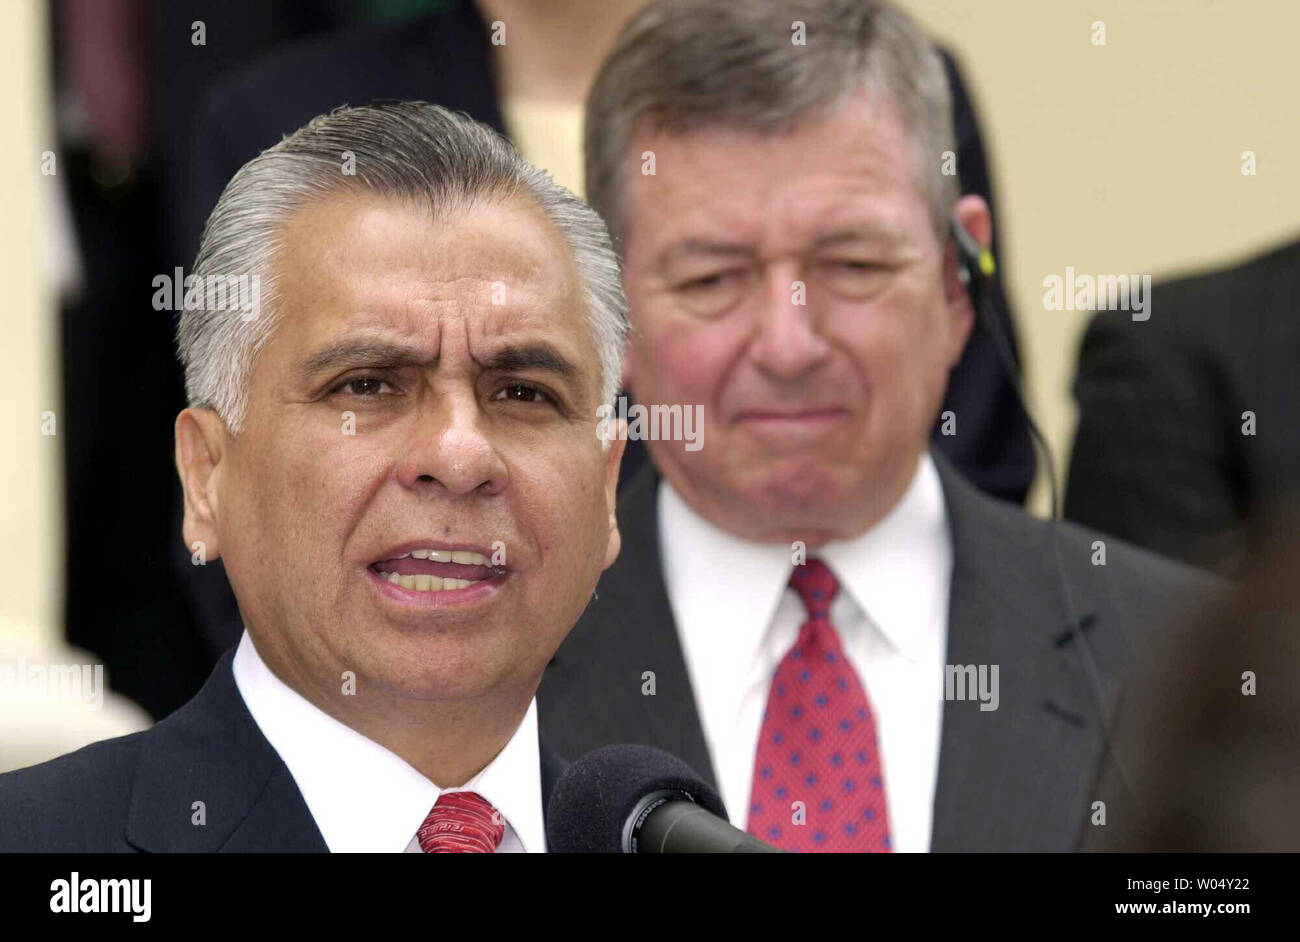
(682, 65)
(407, 150)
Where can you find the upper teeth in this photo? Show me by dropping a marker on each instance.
(464, 557)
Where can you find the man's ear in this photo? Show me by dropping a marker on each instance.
(973, 213)
(613, 459)
(201, 446)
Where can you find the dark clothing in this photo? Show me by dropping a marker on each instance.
(136, 793)
(1018, 778)
(1160, 457)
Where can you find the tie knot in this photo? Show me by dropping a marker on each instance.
(461, 823)
(816, 585)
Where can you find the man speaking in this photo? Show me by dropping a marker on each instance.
(394, 455)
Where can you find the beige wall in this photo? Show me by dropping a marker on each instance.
(1125, 158)
(31, 529)
(36, 724)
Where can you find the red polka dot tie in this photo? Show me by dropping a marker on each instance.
(818, 784)
(461, 823)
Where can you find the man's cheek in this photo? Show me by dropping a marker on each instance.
(576, 510)
(690, 360)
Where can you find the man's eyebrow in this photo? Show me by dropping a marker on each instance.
(855, 233)
(861, 233)
(687, 247)
(349, 354)
(355, 354)
(539, 356)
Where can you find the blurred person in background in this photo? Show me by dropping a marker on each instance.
(126, 76)
(1189, 423)
(1209, 742)
(798, 594)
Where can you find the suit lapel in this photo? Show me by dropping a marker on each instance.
(211, 752)
(1015, 778)
(552, 767)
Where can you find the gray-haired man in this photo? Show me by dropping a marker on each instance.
(395, 456)
(865, 652)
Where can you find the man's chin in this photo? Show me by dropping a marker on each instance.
(794, 501)
(800, 487)
(441, 678)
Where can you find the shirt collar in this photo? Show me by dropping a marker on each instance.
(364, 797)
(708, 573)
(512, 783)
(897, 572)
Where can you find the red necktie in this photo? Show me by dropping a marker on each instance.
(461, 823)
(818, 784)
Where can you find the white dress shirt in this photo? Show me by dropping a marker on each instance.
(364, 797)
(737, 617)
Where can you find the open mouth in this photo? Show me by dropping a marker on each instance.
(437, 570)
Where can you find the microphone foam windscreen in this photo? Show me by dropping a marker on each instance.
(592, 800)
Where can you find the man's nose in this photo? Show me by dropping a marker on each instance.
(449, 448)
(787, 342)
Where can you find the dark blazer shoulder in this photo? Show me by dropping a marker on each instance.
(1102, 567)
(137, 792)
(202, 779)
(1064, 626)
(1160, 455)
(78, 802)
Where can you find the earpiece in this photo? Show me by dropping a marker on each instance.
(976, 260)
(975, 263)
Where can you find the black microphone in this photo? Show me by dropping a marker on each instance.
(640, 800)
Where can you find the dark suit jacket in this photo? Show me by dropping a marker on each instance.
(1016, 778)
(135, 793)
(1159, 457)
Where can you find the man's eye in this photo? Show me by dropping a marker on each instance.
(706, 282)
(713, 295)
(363, 387)
(522, 392)
(854, 278)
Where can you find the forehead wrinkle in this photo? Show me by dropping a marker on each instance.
(443, 285)
(532, 342)
(414, 308)
(470, 313)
